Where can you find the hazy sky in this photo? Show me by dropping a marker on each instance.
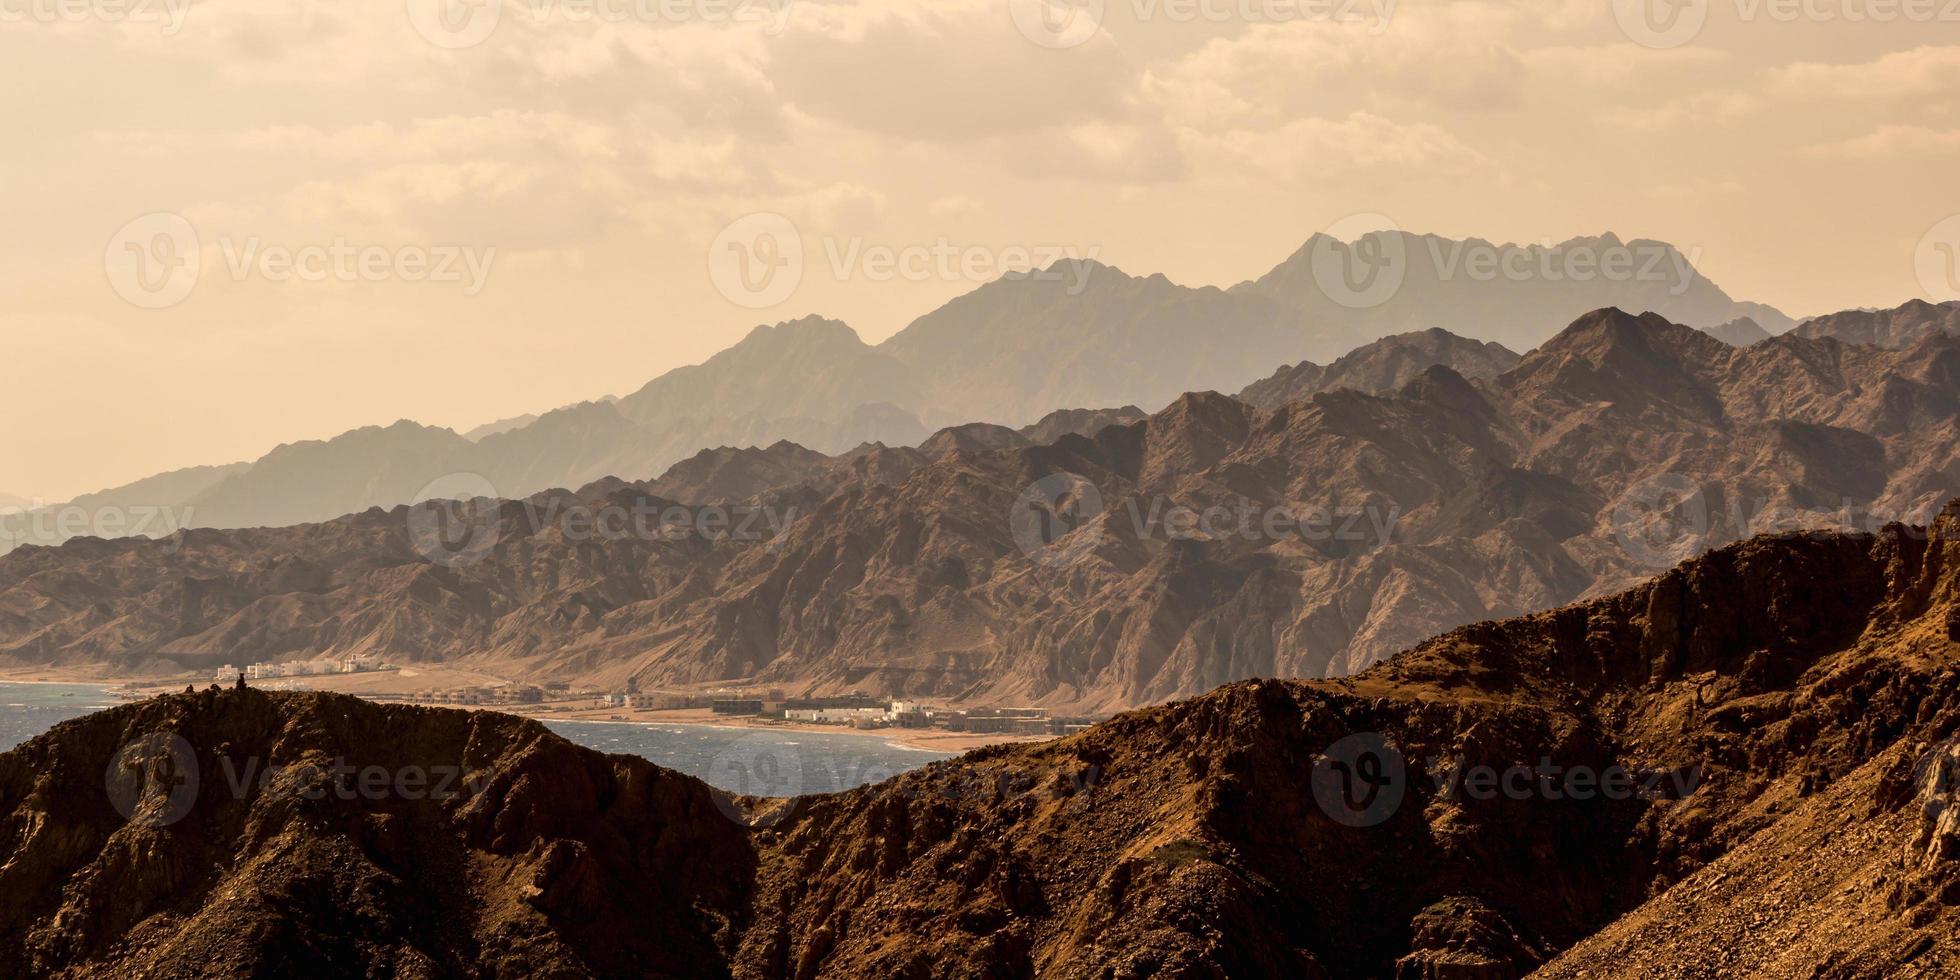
(586, 155)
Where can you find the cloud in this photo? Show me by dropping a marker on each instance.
(955, 206)
(1615, 64)
(1892, 142)
(1360, 146)
(1702, 107)
(1924, 72)
(1451, 59)
(955, 71)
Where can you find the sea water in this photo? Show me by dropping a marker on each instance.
(759, 762)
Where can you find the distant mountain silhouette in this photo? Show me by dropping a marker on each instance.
(1514, 295)
(1074, 336)
(1740, 332)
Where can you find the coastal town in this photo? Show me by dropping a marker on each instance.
(910, 720)
(857, 711)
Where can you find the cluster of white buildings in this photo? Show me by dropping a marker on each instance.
(855, 717)
(300, 668)
(648, 701)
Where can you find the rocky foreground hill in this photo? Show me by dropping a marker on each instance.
(1118, 565)
(1745, 767)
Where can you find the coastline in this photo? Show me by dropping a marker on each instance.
(912, 739)
(385, 687)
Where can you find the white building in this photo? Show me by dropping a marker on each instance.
(836, 716)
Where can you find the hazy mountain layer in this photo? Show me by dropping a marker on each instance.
(1516, 295)
(1901, 327)
(1211, 542)
(1008, 353)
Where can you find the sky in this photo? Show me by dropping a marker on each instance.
(232, 224)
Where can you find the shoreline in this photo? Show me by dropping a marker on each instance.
(937, 740)
(367, 685)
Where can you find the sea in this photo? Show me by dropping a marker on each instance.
(740, 760)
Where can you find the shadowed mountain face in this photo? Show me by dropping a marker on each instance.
(1012, 351)
(1703, 770)
(1740, 332)
(1383, 366)
(1899, 328)
(1209, 542)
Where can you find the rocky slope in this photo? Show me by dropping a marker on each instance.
(1388, 364)
(1210, 542)
(1744, 767)
(1896, 328)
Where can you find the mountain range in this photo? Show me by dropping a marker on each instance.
(1744, 767)
(1894, 328)
(1111, 566)
(1007, 353)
